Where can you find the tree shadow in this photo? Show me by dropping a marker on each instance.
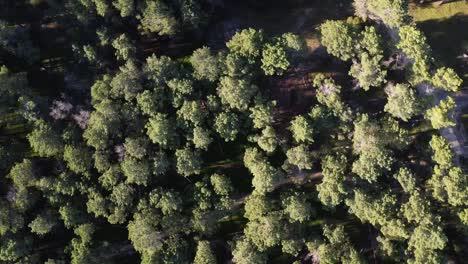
(449, 40)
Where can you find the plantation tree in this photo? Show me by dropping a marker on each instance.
(161, 130)
(257, 206)
(127, 82)
(441, 114)
(393, 13)
(192, 111)
(329, 94)
(297, 207)
(369, 143)
(339, 39)
(262, 114)
(188, 161)
(136, 171)
(78, 158)
(247, 43)
(124, 47)
(268, 140)
(136, 147)
(161, 163)
(456, 187)
(235, 92)
(206, 65)
(181, 89)
(413, 43)
(447, 79)
(204, 254)
(371, 41)
(149, 102)
(402, 101)
(338, 249)
(158, 18)
(274, 59)
(201, 138)
(426, 240)
(302, 129)
(406, 179)
(416, 209)
(221, 184)
(43, 223)
(443, 154)
(300, 156)
(227, 125)
(265, 175)
(265, 232)
(368, 71)
(164, 69)
(277, 56)
(23, 174)
(333, 188)
(246, 253)
(126, 7)
(45, 141)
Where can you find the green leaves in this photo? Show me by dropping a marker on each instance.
(339, 39)
(447, 79)
(440, 115)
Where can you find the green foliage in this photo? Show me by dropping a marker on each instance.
(45, 141)
(425, 240)
(161, 130)
(368, 71)
(328, 94)
(440, 115)
(192, 111)
(371, 41)
(246, 253)
(414, 44)
(78, 158)
(247, 43)
(262, 115)
(406, 179)
(136, 147)
(126, 7)
(447, 79)
(265, 175)
(339, 39)
(227, 125)
(188, 161)
(236, 93)
(201, 138)
(265, 232)
(23, 174)
(302, 130)
(206, 65)
(300, 156)
(43, 223)
(393, 13)
(274, 60)
(268, 141)
(402, 101)
(339, 248)
(124, 47)
(136, 171)
(157, 18)
(297, 207)
(204, 254)
(221, 184)
(333, 188)
(369, 142)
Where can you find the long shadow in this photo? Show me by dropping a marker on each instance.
(449, 40)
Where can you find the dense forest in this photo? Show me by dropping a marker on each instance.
(149, 131)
